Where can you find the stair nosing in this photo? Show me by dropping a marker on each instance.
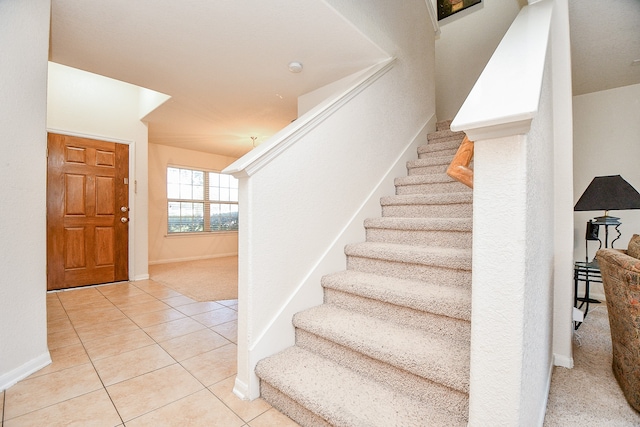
(314, 400)
(402, 292)
(367, 339)
(452, 258)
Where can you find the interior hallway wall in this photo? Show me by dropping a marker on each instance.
(24, 43)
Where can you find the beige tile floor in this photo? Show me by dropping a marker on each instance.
(136, 354)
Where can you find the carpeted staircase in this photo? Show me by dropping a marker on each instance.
(390, 344)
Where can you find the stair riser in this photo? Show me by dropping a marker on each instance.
(456, 210)
(445, 152)
(425, 389)
(443, 125)
(446, 276)
(290, 407)
(444, 320)
(452, 239)
(424, 170)
(445, 134)
(432, 187)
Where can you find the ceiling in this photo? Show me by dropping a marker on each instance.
(226, 67)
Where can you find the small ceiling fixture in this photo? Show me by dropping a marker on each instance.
(295, 67)
(253, 139)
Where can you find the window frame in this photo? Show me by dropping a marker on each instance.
(204, 201)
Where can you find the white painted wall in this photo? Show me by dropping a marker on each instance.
(295, 216)
(24, 43)
(90, 105)
(563, 190)
(606, 129)
(467, 41)
(311, 99)
(163, 248)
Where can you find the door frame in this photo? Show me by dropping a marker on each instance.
(132, 187)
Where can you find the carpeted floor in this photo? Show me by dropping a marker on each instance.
(211, 279)
(588, 395)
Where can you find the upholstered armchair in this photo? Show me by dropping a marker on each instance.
(621, 278)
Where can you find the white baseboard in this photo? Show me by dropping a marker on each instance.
(21, 372)
(141, 277)
(194, 258)
(543, 408)
(241, 389)
(563, 361)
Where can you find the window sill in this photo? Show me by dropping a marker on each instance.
(199, 234)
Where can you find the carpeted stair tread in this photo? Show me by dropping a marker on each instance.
(424, 179)
(430, 161)
(428, 199)
(445, 133)
(453, 258)
(420, 231)
(443, 125)
(442, 145)
(415, 294)
(420, 224)
(430, 356)
(345, 398)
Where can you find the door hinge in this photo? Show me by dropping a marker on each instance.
(126, 181)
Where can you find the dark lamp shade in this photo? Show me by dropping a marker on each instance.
(606, 193)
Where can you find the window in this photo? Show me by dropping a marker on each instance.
(201, 201)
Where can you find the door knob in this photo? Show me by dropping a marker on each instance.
(124, 209)
(123, 219)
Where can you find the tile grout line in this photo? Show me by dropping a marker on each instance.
(205, 387)
(91, 360)
(73, 303)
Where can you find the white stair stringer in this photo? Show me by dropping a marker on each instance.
(390, 344)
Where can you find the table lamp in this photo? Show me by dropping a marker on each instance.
(608, 193)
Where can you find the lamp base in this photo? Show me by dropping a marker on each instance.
(607, 220)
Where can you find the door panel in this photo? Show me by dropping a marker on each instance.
(87, 185)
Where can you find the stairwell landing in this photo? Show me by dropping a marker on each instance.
(390, 344)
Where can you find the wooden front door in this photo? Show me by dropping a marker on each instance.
(87, 212)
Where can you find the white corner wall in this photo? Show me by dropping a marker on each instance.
(300, 209)
(464, 47)
(93, 106)
(163, 248)
(606, 128)
(24, 43)
(563, 188)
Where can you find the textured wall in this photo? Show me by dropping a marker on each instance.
(24, 43)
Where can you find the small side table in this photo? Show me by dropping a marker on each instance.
(586, 272)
